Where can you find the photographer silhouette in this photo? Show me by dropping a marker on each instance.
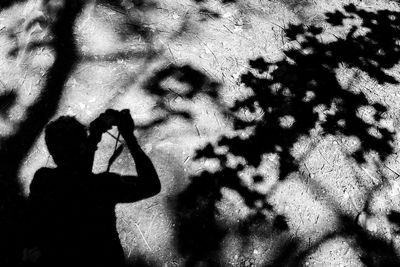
(72, 220)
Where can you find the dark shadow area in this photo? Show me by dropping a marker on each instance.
(200, 235)
(375, 251)
(7, 101)
(15, 147)
(9, 3)
(141, 261)
(289, 100)
(71, 211)
(394, 217)
(284, 257)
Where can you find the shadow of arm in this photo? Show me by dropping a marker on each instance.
(146, 184)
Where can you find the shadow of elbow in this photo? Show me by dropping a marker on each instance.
(155, 189)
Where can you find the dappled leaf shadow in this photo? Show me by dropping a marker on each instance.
(200, 235)
(300, 94)
(303, 87)
(192, 83)
(292, 99)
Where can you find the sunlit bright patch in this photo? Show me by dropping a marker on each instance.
(286, 121)
(366, 113)
(341, 123)
(373, 131)
(310, 95)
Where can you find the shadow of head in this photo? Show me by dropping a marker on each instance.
(66, 141)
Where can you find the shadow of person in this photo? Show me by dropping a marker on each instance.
(72, 219)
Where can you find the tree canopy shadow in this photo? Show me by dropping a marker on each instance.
(291, 99)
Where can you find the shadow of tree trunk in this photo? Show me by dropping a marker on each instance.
(14, 148)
